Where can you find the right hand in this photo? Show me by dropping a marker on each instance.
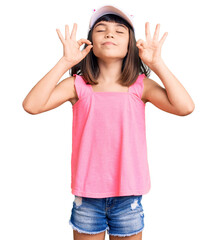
(71, 47)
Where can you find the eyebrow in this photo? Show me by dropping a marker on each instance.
(118, 24)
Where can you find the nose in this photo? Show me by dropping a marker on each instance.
(109, 35)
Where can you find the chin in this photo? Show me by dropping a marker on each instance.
(109, 54)
(110, 57)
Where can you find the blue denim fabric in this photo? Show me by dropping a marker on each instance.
(120, 216)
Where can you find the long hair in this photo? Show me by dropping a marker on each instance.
(132, 65)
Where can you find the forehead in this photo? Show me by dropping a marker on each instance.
(104, 23)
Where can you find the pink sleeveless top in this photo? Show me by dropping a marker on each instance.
(109, 152)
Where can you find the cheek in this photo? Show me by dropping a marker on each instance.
(93, 38)
(126, 45)
(96, 43)
(96, 50)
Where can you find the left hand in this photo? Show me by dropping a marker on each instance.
(150, 51)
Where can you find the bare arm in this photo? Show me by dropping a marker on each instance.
(157, 95)
(46, 94)
(41, 92)
(173, 98)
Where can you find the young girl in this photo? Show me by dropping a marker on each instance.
(109, 88)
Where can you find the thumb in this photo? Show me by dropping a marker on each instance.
(86, 50)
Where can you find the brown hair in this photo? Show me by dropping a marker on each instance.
(132, 65)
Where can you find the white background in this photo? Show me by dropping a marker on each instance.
(35, 167)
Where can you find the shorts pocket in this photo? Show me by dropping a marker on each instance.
(77, 201)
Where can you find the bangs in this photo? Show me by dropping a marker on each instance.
(113, 18)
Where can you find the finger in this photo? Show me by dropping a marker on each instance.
(74, 30)
(147, 31)
(83, 40)
(144, 44)
(139, 47)
(67, 31)
(156, 33)
(163, 38)
(60, 35)
(86, 51)
(138, 43)
(141, 43)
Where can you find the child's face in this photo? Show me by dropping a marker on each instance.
(110, 32)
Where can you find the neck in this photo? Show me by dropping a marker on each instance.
(110, 71)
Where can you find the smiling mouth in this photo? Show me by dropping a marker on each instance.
(108, 43)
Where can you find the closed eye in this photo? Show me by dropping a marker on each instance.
(104, 31)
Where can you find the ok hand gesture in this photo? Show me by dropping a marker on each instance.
(150, 51)
(71, 47)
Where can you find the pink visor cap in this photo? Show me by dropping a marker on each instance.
(108, 9)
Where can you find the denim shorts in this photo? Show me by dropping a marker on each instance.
(120, 216)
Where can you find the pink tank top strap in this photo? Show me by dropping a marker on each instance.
(81, 87)
(138, 85)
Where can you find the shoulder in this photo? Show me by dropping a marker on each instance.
(70, 82)
(148, 84)
(69, 85)
(78, 86)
